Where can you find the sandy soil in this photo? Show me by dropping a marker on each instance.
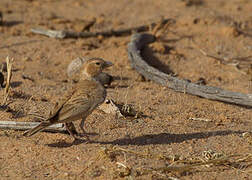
(166, 134)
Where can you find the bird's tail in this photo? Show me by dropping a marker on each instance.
(38, 128)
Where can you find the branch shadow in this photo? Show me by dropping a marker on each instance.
(150, 139)
(20, 43)
(152, 60)
(10, 23)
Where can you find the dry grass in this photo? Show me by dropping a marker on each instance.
(207, 161)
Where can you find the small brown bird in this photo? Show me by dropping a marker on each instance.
(79, 101)
(73, 71)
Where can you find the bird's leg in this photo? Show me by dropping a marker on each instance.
(82, 128)
(71, 129)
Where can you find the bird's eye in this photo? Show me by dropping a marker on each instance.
(98, 63)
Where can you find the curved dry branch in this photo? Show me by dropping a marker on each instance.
(149, 72)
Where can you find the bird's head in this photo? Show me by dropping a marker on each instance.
(93, 67)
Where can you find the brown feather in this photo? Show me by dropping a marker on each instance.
(38, 128)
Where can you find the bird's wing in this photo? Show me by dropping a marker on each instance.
(76, 107)
(58, 105)
(78, 102)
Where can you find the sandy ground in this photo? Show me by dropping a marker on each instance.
(166, 134)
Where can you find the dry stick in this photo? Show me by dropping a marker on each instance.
(29, 125)
(71, 34)
(200, 119)
(9, 75)
(138, 41)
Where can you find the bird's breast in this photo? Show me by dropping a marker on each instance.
(94, 91)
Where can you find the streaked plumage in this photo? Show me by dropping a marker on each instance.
(79, 101)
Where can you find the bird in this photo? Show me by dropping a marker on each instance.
(79, 101)
(74, 67)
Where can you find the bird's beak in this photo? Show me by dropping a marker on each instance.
(108, 64)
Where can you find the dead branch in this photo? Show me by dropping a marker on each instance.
(61, 34)
(138, 41)
(29, 125)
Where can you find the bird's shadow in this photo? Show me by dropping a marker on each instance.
(162, 138)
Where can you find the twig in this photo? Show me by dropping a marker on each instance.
(29, 125)
(61, 34)
(200, 119)
(227, 61)
(121, 164)
(182, 168)
(234, 61)
(9, 75)
(24, 76)
(138, 41)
